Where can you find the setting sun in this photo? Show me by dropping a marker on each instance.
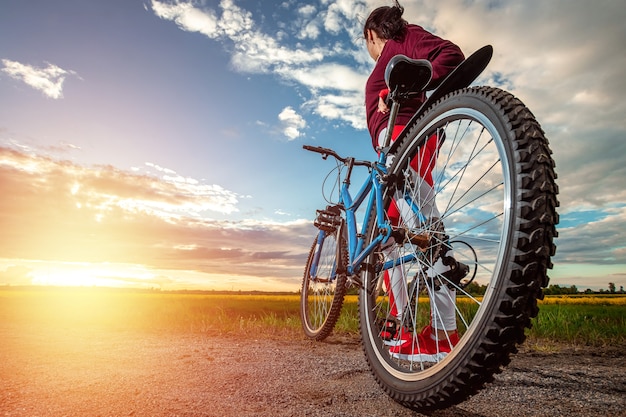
(71, 225)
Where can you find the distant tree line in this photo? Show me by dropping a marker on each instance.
(558, 290)
(554, 289)
(476, 289)
(572, 289)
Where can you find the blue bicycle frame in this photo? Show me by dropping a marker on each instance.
(372, 190)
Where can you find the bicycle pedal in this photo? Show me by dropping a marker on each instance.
(328, 219)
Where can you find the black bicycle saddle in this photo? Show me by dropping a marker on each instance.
(405, 75)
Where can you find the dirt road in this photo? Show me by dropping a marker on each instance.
(91, 372)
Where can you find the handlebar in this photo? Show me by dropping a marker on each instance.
(326, 152)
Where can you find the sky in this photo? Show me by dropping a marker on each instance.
(158, 144)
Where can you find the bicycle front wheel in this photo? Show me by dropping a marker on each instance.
(472, 201)
(323, 285)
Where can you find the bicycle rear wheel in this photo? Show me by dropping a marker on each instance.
(495, 194)
(323, 285)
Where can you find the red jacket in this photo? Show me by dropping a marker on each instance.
(417, 44)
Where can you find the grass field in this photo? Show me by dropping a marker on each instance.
(572, 320)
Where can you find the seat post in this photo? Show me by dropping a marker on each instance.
(393, 113)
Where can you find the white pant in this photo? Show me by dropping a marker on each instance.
(443, 300)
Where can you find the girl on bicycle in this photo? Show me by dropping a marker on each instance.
(387, 34)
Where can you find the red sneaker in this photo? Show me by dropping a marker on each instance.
(423, 347)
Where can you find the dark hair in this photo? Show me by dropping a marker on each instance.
(387, 22)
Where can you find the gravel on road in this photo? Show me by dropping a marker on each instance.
(103, 372)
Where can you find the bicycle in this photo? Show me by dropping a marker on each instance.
(494, 184)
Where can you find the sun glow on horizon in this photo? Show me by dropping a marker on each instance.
(84, 274)
(118, 275)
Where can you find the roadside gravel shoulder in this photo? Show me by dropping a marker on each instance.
(97, 372)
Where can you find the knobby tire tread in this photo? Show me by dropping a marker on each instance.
(535, 220)
(337, 303)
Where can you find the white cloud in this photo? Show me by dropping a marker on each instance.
(310, 30)
(332, 76)
(234, 20)
(292, 123)
(347, 107)
(333, 21)
(48, 80)
(253, 51)
(192, 196)
(188, 18)
(346, 15)
(307, 10)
